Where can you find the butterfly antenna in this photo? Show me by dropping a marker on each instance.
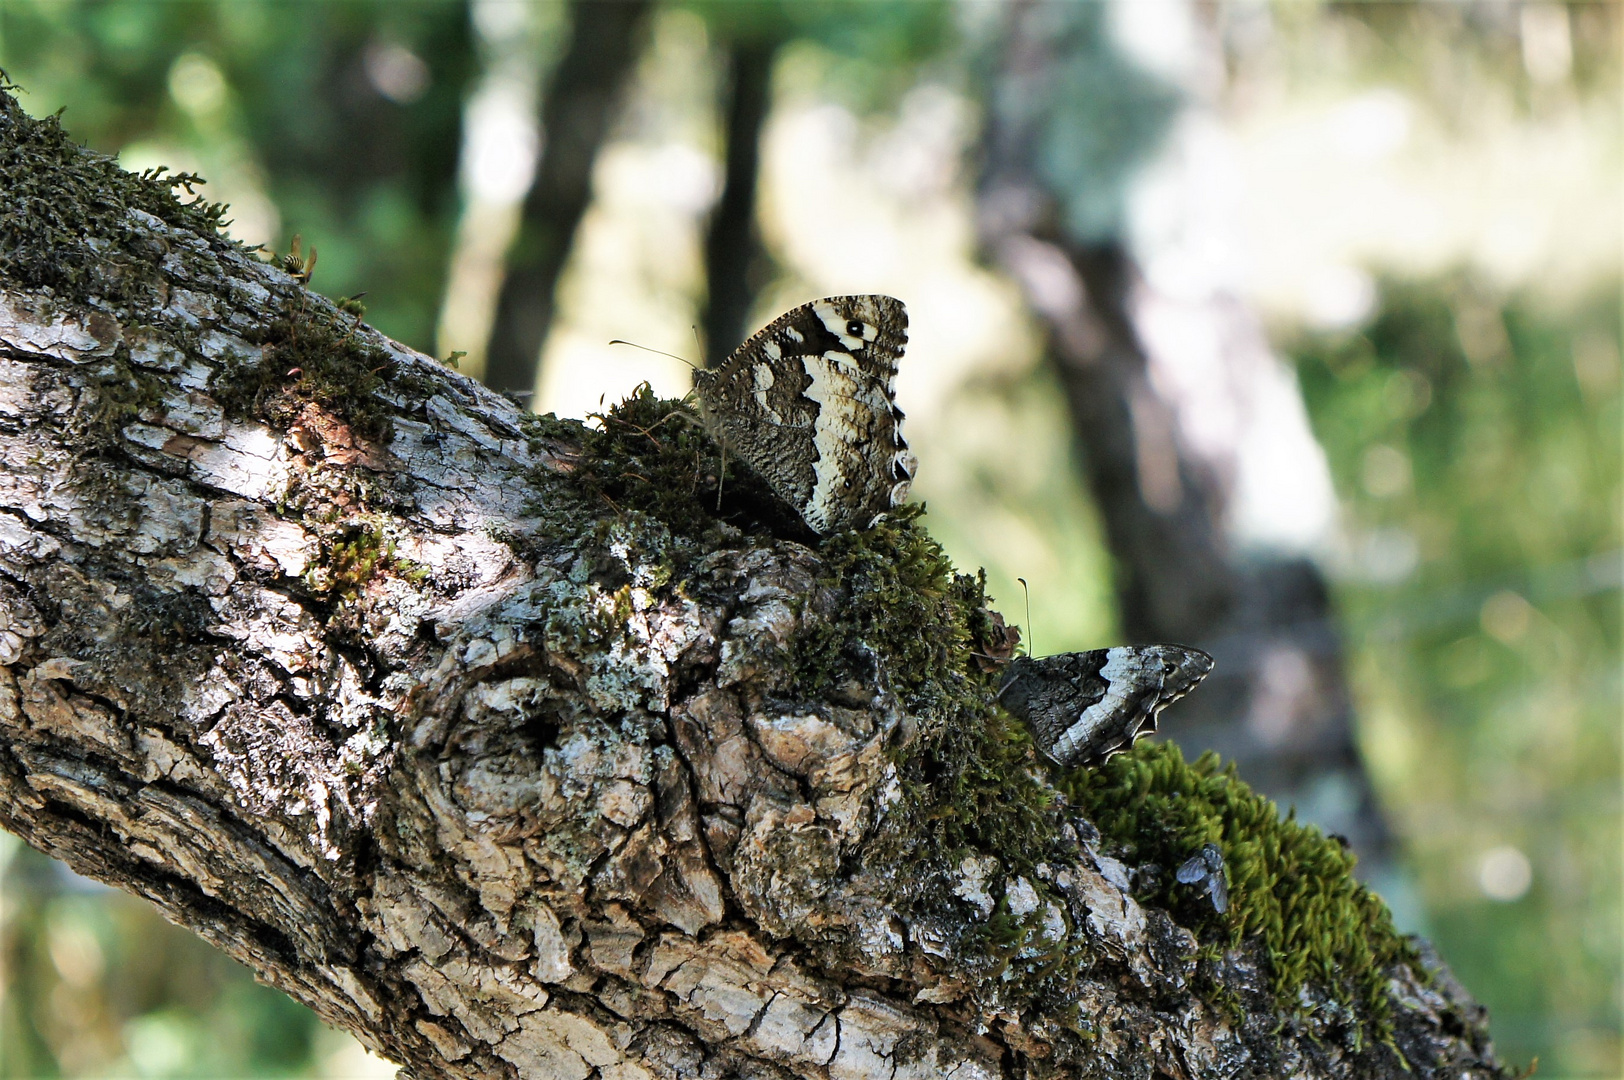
(1030, 644)
(661, 352)
(699, 342)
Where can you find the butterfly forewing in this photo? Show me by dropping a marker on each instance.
(809, 403)
(1083, 707)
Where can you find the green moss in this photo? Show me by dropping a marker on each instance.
(900, 597)
(650, 456)
(1290, 887)
(312, 357)
(118, 394)
(967, 776)
(65, 220)
(353, 556)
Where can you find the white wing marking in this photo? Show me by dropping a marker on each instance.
(835, 323)
(762, 376)
(1122, 675)
(848, 401)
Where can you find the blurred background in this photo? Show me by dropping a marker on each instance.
(1286, 329)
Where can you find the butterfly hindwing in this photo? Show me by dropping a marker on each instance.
(1082, 707)
(809, 403)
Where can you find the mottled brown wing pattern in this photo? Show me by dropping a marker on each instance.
(1082, 707)
(808, 403)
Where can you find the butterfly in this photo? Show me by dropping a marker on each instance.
(808, 403)
(1206, 869)
(1082, 707)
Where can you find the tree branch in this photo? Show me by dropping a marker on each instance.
(484, 737)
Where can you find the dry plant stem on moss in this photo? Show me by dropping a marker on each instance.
(490, 739)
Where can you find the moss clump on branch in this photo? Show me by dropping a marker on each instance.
(650, 455)
(65, 221)
(315, 357)
(1290, 886)
(966, 778)
(354, 557)
(120, 393)
(66, 224)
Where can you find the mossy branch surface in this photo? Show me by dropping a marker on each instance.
(1290, 887)
(971, 780)
(312, 357)
(68, 226)
(513, 743)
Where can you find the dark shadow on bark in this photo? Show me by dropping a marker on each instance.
(577, 112)
(736, 261)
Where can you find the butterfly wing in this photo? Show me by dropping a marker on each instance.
(1206, 868)
(1074, 709)
(1219, 891)
(1083, 707)
(809, 403)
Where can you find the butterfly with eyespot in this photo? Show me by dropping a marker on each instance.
(808, 403)
(1083, 707)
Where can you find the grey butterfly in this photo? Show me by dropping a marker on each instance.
(1082, 707)
(1206, 869)
(808, 403)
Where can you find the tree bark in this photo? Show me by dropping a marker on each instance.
(577, 111)
(352, 668)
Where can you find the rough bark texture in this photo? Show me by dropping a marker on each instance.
(1165, 485)
(384, 689)
(577, 110)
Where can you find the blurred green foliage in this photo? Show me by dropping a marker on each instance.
(1475, 440)
(97, 984)
(868, 54)
(340, 122)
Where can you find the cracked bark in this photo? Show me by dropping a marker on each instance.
(508, 801)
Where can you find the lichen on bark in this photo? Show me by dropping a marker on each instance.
(511, 745)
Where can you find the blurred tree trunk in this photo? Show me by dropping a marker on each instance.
(578, 110)
(317, 646)
(1072, 122)
(736, 261)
